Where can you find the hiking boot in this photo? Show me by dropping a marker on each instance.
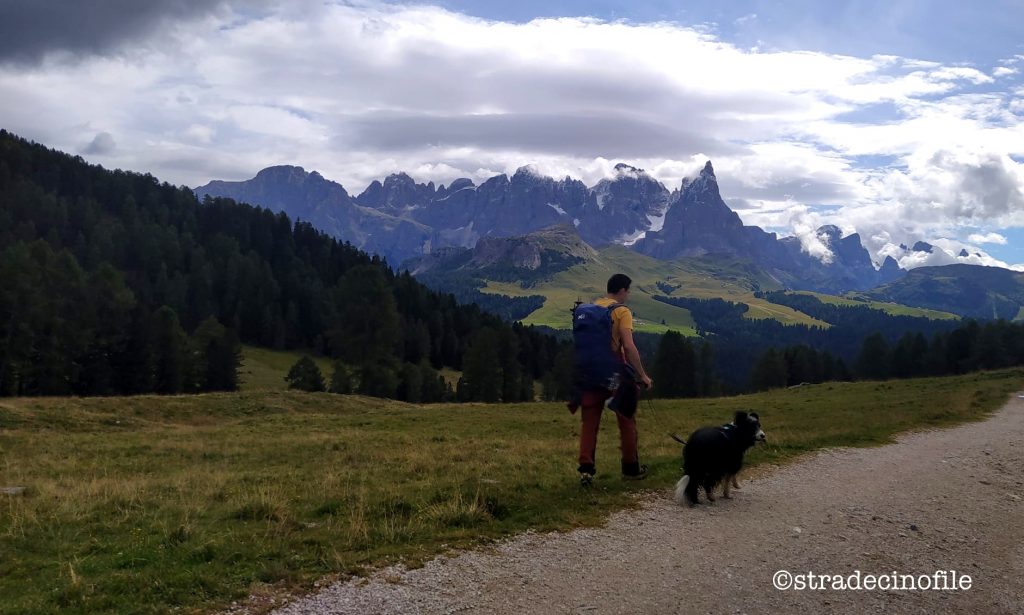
(634, 471)
(587, 472)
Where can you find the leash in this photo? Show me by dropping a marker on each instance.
(650, 410)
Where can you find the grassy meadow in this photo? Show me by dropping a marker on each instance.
(856, 299)
(688, 277)
(150, 504)
(263, 368)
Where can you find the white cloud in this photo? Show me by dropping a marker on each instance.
(360, 91)
(740, 21)
(987, 238)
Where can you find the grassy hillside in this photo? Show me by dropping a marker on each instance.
(264, 369)
(854, 299)
(151, 504)
(700, 278)
(968, 290)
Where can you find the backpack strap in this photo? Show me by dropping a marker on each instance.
(615, 306)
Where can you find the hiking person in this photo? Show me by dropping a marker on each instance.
(608, 367)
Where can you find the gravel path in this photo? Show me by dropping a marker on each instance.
(949, 499)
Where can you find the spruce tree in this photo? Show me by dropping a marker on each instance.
(874, 361)
(173, 365)
(378, 379)
(482, 367)
(304, 375)
(675, 367)
(769, 372)
(341, 379)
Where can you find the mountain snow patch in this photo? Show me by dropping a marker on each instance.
(657, 220)
(630, 238)
(560, 211)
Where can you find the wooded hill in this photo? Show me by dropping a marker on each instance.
(115, 283)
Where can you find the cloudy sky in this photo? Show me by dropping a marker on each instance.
(899, 119)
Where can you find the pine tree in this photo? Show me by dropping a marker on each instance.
(217, 357)
(173, 366)
(378, 379)
(707, 381)
(769, 372)
(482, 367)
(874, 361)
(304, 375)
(410, 386)
(558, 382)
(341, 379)
(366, 322)
(675, 367)
(511, 371)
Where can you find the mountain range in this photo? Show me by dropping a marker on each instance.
(404, 221)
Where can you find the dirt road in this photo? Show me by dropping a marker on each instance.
(939, 500)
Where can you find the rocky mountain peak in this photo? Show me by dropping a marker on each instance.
(625, 169)
(498, 181)
(529, 172)
(460, 183)
(923, 246)
(830, 233)
(398, 181)
(705, 187)
(283, 172)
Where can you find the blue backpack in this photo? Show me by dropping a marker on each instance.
(597, 366)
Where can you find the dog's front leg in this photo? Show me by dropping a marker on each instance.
(728, 481)
(734, 483)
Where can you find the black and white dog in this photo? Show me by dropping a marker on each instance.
(713, 455)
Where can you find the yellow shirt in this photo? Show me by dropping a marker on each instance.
(622, 320)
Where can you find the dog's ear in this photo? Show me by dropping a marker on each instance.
(740, 418)
(753, 415)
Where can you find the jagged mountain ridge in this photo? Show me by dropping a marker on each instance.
(403, 220)
(552, 249)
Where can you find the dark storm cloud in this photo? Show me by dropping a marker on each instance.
(568, 135)
(29, 29)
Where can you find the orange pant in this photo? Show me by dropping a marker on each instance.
(591, 407)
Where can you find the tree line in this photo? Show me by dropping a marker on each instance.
(973, 346)
(740, 343)
(115, 283)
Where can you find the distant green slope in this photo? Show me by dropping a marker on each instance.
(265, 369)
(702, 278)
(968, 290)
(852, 299)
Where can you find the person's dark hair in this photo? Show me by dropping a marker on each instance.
(617, 282)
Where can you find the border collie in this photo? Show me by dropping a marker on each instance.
(714, 455)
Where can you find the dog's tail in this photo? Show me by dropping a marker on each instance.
(680, 496)
(677, 438)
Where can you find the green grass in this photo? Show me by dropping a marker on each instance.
(698, 278)
(896, 309)
(148, 504)
(265, 369)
